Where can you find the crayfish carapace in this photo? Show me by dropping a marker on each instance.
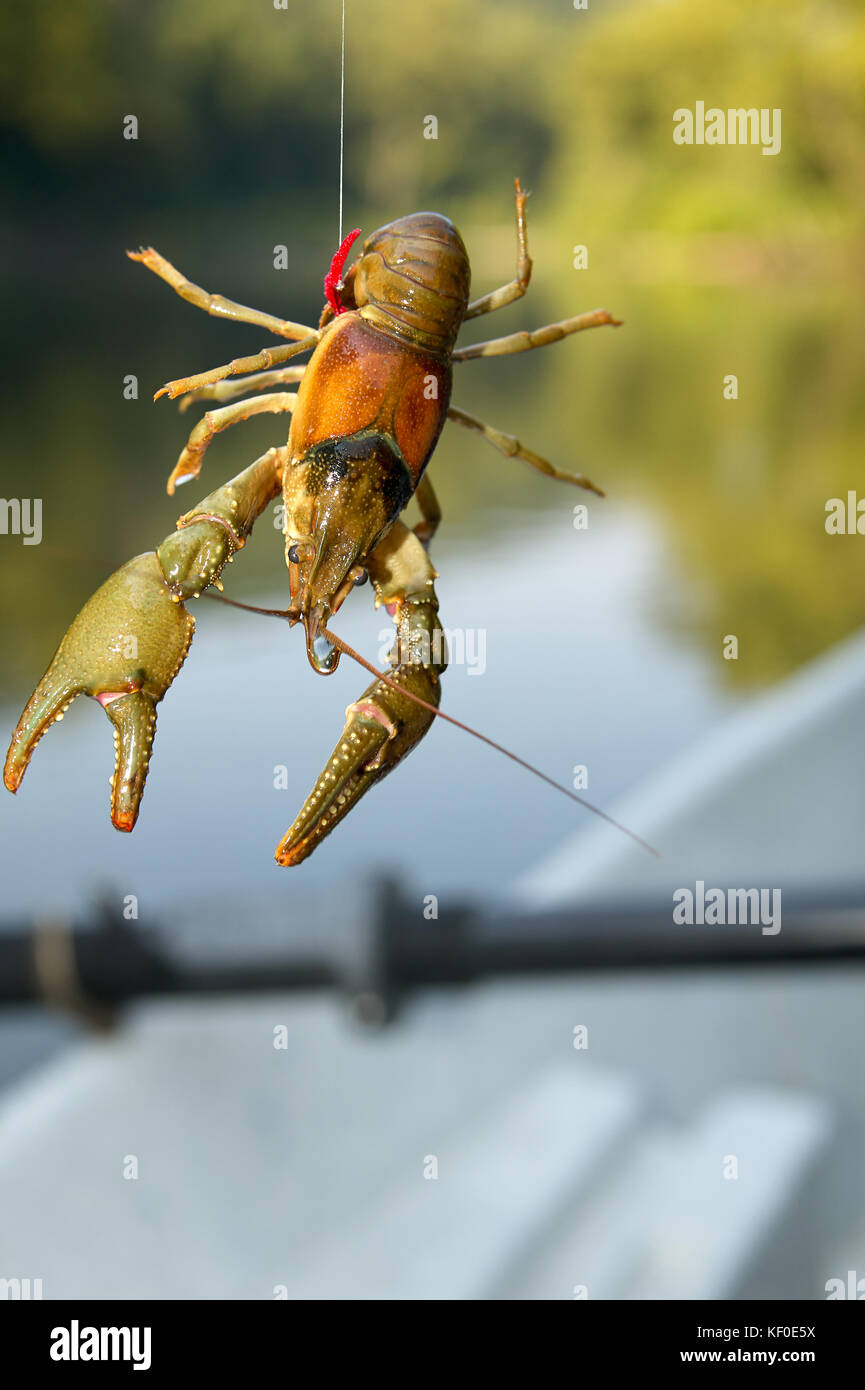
(366, 416)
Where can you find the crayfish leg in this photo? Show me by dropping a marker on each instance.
(528, 339)
(510, 446)
(215, 304)
(517, 287)
(430, 510)
(214, 422)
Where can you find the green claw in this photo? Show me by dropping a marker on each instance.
(134, 720)
(381, 728)
(124, 649)
(384, 725)
(131, 638)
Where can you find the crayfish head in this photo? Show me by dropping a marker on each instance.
(341, 499)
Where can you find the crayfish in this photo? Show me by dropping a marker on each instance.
(367, 413)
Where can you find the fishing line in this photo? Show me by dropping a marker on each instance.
(440, 714)
(341, 120)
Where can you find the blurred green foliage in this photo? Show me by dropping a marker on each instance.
(719, 259)
(234, 96)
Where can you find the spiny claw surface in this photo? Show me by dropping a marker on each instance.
(124, 649)
(380, 729)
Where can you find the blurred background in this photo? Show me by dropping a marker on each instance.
(300, 1162)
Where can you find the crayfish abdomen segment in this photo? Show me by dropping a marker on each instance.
(413, 279)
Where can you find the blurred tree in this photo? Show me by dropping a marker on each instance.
(238, 150)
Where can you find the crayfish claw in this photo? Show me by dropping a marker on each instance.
(355, 763)
(381, 728)
(124, 649)
(48, 704)
(392, 714)
(134, 720)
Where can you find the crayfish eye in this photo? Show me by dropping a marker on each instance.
(294, 554)
(359, 578)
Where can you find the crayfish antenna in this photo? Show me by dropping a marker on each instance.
(458, 723)
(475, 733)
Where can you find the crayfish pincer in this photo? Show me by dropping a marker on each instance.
(366, 411)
